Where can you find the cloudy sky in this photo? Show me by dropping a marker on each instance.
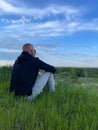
(64, 32)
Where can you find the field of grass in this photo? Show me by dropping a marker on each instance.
(72, 106)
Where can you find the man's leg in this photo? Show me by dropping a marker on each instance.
(50, 83)
(41, 81)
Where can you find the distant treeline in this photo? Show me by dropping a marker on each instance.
(77, 72)
(71, 72)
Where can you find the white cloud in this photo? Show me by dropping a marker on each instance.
(87, 26)
(4, 20)
(69, 12)
(9, 50)
(22, 20)
(50, 28)
(76, 54)
(70, 23)
(86, 47)
(8, 8)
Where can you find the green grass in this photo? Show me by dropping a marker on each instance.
(70, 107)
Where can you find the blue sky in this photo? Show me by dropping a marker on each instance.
(64, 32)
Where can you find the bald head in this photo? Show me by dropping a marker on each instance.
(28, 47)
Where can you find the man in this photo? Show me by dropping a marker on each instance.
(25, 79)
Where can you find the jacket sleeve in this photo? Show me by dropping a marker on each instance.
(44, 66)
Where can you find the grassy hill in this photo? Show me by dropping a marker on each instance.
(73, 106)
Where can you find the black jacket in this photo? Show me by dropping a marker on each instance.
(24, 73)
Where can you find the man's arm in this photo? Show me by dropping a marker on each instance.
(44, 66)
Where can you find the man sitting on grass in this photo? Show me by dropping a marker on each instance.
(25, 79)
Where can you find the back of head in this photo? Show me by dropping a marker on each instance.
(29, 48)
(26, 47)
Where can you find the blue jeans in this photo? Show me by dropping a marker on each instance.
(41, 81)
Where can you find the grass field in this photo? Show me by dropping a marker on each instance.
(73, 106)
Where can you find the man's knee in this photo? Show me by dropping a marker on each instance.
(49, 73)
